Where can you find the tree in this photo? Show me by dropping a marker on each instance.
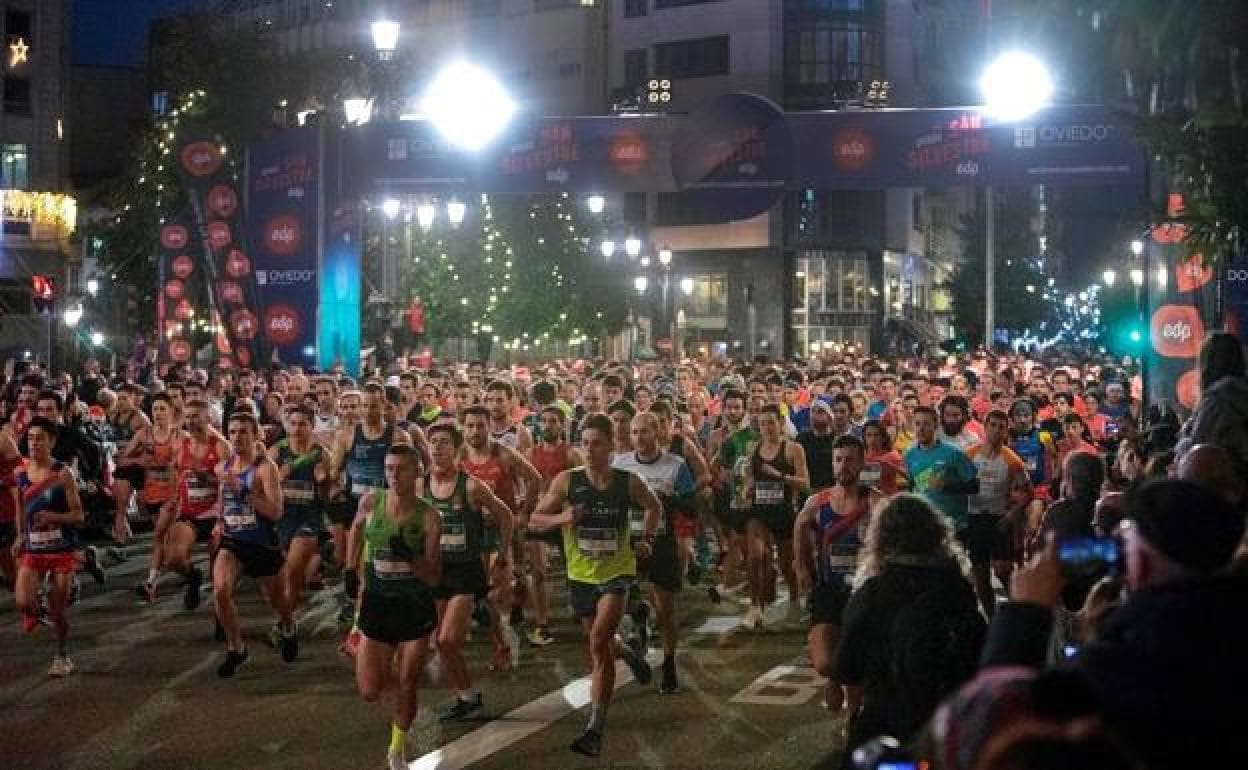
(1020, 284)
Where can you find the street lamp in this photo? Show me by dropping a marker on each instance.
(1014, 86)
(390, 207)
(1137, 247)
(632, 246)
(93, 286)
(608, 248)
(1110, 276)
(645, 261)
(358, 111)
(97, 339)
(640, 283)
(596, 204)
(385, 38)
(73, 314)
(665, 256)
(1137, 277)
(455, 212)
(1163, 276)
(425, 214)
(686, 285)
(467, 106)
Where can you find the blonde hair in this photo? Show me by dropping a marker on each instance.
(906, 529)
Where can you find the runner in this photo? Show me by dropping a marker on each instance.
(500, 399)
(551, 456)
(826, 539)
(153, 449)
(670, 479)
(191, 516)
(505, 471)
(10, 460)
(989, 534)
(250, 507)
(688, 521)
(126, 420)
(395, 538)
(46, 494)
(303, 465)
(776, 475)
(1038, 453)
(730, 446)
(467, 506)
(592, 505)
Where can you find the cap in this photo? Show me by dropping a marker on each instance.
(1189, 523)
(822, 403)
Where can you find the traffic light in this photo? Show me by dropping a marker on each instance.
(43, 291)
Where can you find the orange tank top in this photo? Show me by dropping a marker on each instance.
(197, 483)
(158, 481)
(550, 462)
(494, 475)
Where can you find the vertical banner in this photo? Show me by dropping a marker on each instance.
(283, 193)
(211, 184)
(339, 331)
(181, 289)
(1182, 303)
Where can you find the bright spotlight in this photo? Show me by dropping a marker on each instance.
(596, 204)
(1015, 86)
(467, 106)
(390, 208)
(425, 214)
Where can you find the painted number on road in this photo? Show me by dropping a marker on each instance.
(783, 686)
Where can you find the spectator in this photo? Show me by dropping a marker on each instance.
(912, 627)
(1071, 516)
(1178, 638)
(1221, 416)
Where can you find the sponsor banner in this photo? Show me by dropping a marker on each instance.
(1182, 306)
(182, 304)
(221, 245)
(283, 185)
(742, 142)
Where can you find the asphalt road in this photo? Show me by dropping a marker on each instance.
(146, 695)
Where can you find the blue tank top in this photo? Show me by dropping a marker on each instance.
(1030, 450)
(48, 495)
(366, 463)
(838, 539)
(239, 519)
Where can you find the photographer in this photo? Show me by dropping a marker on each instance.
(1172, 653)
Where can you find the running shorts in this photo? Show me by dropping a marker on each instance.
(462, 579)
(304, 522)
(583, 597)
(663, 566)
(827, 603)
(257, 561)
(56, 563)
(396, 619)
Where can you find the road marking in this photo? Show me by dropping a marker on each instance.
(787, 685)
(518, 724)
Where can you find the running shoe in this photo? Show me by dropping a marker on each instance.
(540, 637)
(637, 664)
(395, 760)
(190, 600)
(75, 591)
(61, 666)
(589, 744)
(462, 709)
(668, 685)
(91, 563)
(146, 592)
(289, 644)
(346, 609)
(231, 663)
(351, 644)
(274, 637)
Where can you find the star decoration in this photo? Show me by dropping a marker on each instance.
(18, 52)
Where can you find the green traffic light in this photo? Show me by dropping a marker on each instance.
(1135, 335)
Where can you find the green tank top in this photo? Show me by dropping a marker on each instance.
(599, 548)
(463, 529)
(386, 573)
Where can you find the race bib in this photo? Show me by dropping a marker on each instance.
(359, 488)
(454, 537)
(198, 492)
(637, 523)
(598, 543)
(870, 474)
(768, 493)
(387, 567)
(46, 539)
(298, 492)
(240, 521)
(1033, 463)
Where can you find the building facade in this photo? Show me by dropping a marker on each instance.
(38, 214)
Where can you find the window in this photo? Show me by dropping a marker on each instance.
(17, 96)
(14, 174)
(634, 8)
(160, 103)
(699, 58)
(710, 295)
(636, 70)
(830, 282)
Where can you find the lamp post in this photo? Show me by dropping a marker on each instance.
(1014, 86)
(389, 272)
(665, 263)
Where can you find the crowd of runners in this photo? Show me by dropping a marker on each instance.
(431, 501)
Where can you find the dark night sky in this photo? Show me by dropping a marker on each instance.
(114, 32)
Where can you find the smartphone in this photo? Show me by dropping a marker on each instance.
(1088, 557)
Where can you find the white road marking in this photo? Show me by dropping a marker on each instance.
(518, 724)
(787, 685)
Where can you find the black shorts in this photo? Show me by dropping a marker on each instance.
(203, 528)
(257, 560)
(303, 522)
(986, 539)
(462, 579)
(584, 596)
(341, 512)
(551, 537)
(8, 534)
(827, 604)
(778, 521)
(395, 619)
(663, 566)
(133, 474)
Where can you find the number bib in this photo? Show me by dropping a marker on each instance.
(360, 488)
(454, 537)
(769, 493)
(870, 474)
(637, 523)
(298, 492)
(46, 540)
(240, 521)
(598, 542)
(386, 567)
(199, 490)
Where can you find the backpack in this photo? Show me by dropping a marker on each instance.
(934, 647)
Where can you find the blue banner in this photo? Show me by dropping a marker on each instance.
(283, 190)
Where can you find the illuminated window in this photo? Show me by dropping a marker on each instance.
(710, 295)
(14, 167)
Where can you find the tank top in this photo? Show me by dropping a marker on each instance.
(239, 519)
(299, 487)
(366, 462)
(1031, 451)
(837, 538)
(598, 548)
(198, 486)
(122, 430)
(771, 494)
(386, 574)
(8, 468)
(550, 462)
(463, 529)
(158, 481)
(494, 475)
(47, 495)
